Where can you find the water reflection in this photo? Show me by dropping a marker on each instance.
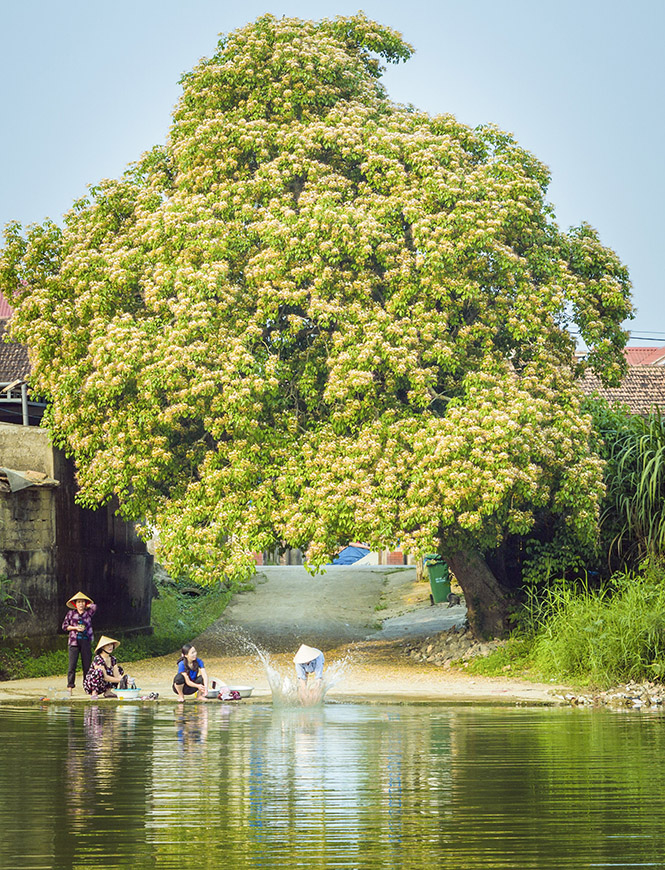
(340, 785)
(191, 727)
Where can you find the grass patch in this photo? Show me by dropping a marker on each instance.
(605, 636)
(591, 638)
(178, 616)
(514, 658)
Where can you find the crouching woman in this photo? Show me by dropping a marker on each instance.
(105, 672)
(191, 678)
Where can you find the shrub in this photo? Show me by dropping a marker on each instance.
(633, 521)
(604, 636)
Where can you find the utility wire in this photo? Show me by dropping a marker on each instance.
(636, 337)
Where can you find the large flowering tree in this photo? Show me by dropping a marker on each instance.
(316, 316)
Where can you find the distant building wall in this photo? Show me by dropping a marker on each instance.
(50, 547)
(295, 557)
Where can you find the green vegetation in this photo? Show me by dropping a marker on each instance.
(315, 316)
(605, 636)
(11, 603)
(597, 617)
(514, 658)
(633, 522)
(593, 637)
(180, 613)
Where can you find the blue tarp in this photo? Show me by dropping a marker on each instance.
(349, 555)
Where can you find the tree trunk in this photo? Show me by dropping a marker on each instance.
(488, 608)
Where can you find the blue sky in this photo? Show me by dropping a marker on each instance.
(88, 86)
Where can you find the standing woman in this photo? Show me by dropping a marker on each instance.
(105, 672)
(191, 678)
(78, 623)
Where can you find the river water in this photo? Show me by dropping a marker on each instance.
(249, 785)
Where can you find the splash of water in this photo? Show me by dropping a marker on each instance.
(284, 688)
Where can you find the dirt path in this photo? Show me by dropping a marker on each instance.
(345, 605)
(355, 615)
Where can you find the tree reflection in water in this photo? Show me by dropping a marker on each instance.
(118, 785)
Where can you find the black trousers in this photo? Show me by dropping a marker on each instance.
(84, 649)
(186, 690)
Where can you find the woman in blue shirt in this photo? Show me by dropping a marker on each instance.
(191, 678)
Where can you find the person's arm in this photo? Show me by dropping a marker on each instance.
(301, 673)
(98, 665)
(67, 624)
(90, 611)
(318, 667)
(189, 681)
(116, 677)
(204, 674)
(87, 620)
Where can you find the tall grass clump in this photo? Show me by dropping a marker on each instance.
(634, 452)
(602, 637)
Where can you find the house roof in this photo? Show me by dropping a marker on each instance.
(642, 387)
(5, 308)
(641, 356)
(14, 362)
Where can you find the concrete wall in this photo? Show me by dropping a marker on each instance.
(50, 548)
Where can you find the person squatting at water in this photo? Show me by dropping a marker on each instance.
(191, 678)
(78, 622)
(308, 662)
(105, 671)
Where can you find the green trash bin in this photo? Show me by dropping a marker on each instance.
(439, 578)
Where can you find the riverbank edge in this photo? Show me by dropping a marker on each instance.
(376, 684)
(385, 681)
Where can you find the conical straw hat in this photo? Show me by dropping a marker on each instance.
(103, 640)
(86, 598)
(306, 654)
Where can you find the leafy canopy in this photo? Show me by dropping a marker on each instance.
(314, 315)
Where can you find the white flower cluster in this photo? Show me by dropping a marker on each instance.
(315, 316)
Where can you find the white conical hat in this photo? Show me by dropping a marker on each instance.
(306, 654)
(71, 602)
(104, 641)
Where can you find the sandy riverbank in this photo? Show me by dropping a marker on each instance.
(357, 616)
(367, 676)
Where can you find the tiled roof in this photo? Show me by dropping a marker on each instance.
(641, 389)
(14, 361)
(5, 308)
(644, 356)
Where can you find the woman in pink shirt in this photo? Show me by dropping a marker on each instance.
(78, 623)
